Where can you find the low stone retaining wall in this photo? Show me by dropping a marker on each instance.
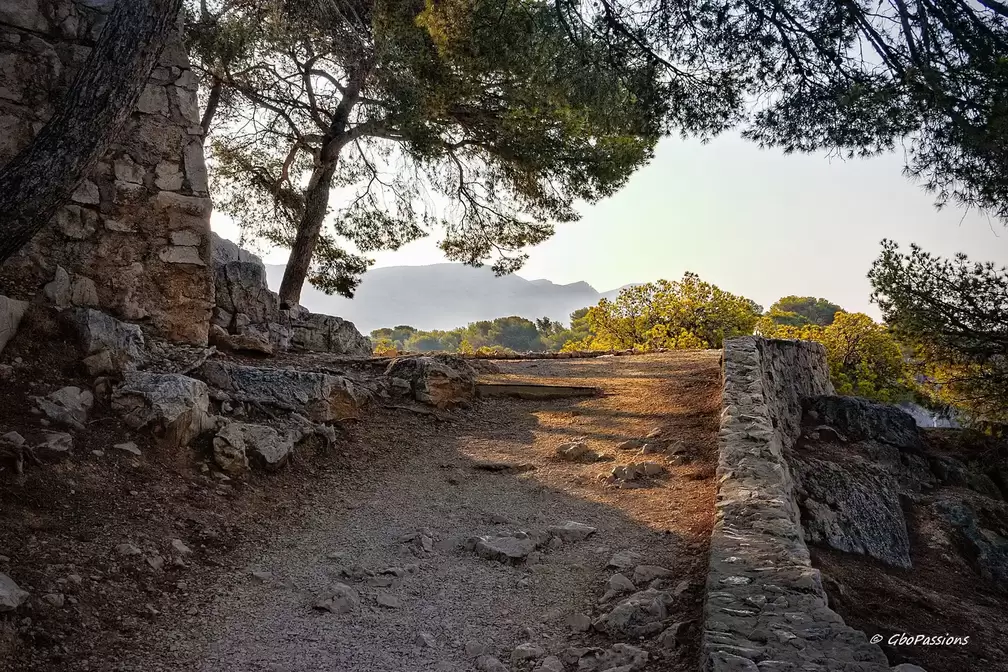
(766, 610)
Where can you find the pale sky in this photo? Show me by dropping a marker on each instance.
(752, 221)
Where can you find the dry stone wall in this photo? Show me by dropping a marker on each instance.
(766, 609)
(134, 242)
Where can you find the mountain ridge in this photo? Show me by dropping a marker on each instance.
(445, 296)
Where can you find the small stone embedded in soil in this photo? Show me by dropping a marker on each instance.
(475, 649)
(575, 450)
(127, 549)
(526, 651)
(630, 444)
(490, 664)
(425, 640)
(551, 664)
(262, 576)
(579, 622)
(129, 447)
(510, 549)
(56, 600)
(623, 560)
(647, 573)
(179, 547)
(343, 599)
(11, 594)
(388, 601)
(571, 531)
(156, 562)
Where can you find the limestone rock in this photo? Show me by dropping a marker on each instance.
(631, 444)
(99, 332)
(440, 380)
(250, 341)
(490, 664)
(852, 507)
(526, 651)
(11, 313)
(67, 406)
(129, 447)
(579, 622)
(618, 658)
(508, 549)
(623, 559)
(327, 333)
(641, 615)
(321, 397)
(551, 664)
(11, 595)
(576, 451)
(174, 407)
(54, 446)
(571, 531)
(859, 419)
(239, 442)
(648, 573)
(343, 599)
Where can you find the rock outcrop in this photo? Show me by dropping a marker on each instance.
(440, 380)
(246, 307)
(175, 408)
(320, 397)
(134, 240)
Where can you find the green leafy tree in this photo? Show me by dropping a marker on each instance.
(804, 310)
(686, 314)
(954, 314)
(928, 78)
(483, 118)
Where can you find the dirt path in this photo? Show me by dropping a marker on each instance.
(443, 604)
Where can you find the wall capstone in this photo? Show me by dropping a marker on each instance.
(135, 240)
(766, 608)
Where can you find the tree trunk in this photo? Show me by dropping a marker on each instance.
(43, 176)
(308, 231)
(213, 101)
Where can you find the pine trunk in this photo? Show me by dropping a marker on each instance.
(308, 231)
(44, 175)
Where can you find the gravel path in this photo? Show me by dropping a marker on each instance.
(415, 596)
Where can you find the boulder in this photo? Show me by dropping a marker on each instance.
(174, 407)
(321, 397)
(640, 615)
(859, 419)
(238, 443)
(11, 595)
(440, 380)
(853, 507)
(11, 313)
(97, 332)
(67, 406)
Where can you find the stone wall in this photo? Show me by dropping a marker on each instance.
(135, 240)
(766, 609)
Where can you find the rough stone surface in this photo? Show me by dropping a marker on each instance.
(440, 380)
(757, 547)
(321, 397)
(853, 508)
(238, 443)
(112, 246)
(174, 407)
(246, 307)
(11, 312)
(98, 333)
(11, 595)
(857, 419)
(68, 406)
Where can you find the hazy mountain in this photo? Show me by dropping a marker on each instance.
(445, 296)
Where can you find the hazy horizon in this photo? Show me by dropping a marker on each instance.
(752, 221)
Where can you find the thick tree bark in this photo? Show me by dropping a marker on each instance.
(213, 101)
(44, 175)
(309, 229)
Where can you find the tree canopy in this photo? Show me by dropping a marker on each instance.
(684, 314)
(954, 314)
(928, 78)
(483, 119)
